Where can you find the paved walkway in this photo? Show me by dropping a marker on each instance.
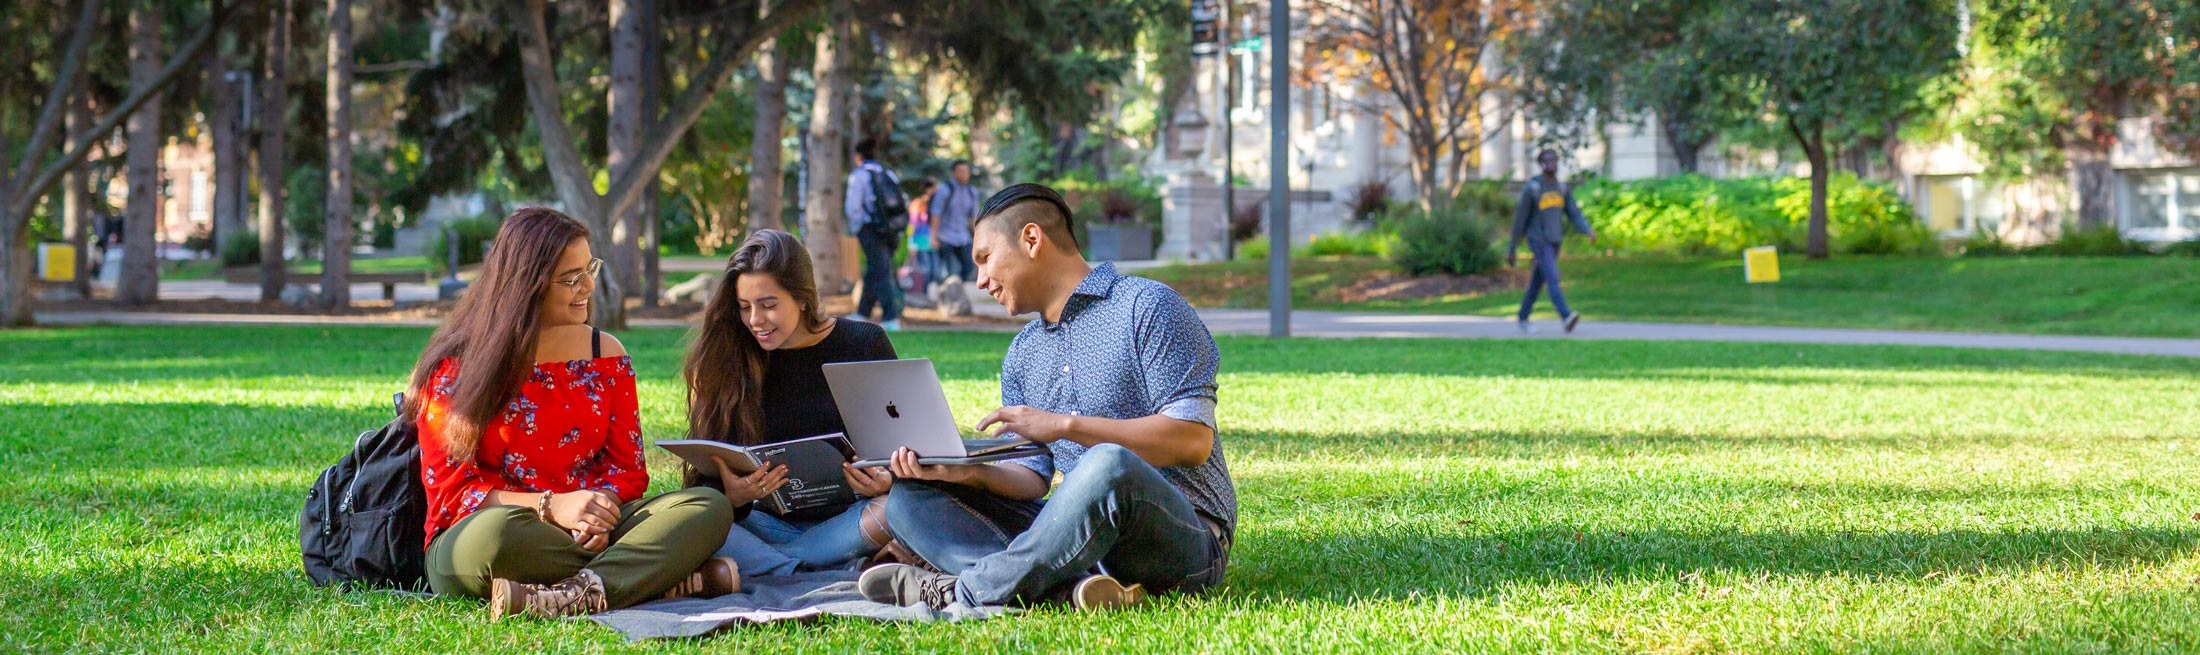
(1352, 325)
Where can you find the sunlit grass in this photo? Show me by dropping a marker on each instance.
(1396, 495)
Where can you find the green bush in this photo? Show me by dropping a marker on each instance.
(241, 249)
(2186, 248)
(1910, 238)
(473, 235)
(1451, 239)
(1375, 242)
(1252, 249)
(1988, 243)
(2102, 241)
(1698, 215)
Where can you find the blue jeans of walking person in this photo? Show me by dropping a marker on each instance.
(955, 261)
(1546, 274)
(764, 544)
(1113, 514)
(878, 276)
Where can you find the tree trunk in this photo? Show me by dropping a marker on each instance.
(1686, 153)
(225, 127)
(624, 136)
(766, 174)
(1814, 147)
(2092, 175)
(140, 283)
(336, 242)
(76, 202)
(653, 90)
(274, 159)
(823, 224)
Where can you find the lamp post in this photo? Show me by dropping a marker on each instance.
(1279, 169)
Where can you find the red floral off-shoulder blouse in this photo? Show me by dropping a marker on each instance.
(575, 425)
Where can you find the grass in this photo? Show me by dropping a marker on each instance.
(2109, 296)
(211, 269)
(1397, 496)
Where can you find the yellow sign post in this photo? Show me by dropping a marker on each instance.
(1761, 264)
(57, 262)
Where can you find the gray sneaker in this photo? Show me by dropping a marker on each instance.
(1572, 320)
(1526, 327)
(1100, 592)
(907, 586)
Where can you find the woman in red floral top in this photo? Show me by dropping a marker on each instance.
(531, 446)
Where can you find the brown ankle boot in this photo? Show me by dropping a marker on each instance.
(575, 596)
(717, 576)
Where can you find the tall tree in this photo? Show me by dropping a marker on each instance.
(1593, 62)
(140, 281)
(822, 222)
(2051, 80)
(1427, 57)
(225, 127)
(769, 129)
(1830, 72)
(76, 187)
(274, 157)
(41, 163)
(337, 236)
(734, 36)
(629, 42)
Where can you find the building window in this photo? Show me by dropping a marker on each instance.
(1961, 204)
(202, 201)
(2162, 204)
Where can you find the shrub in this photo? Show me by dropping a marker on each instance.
(1988, 243)
(200, 241)
(1252, 249)
(1369, 201)
(241, 249)
(474, 235)
(1696, 215)
(1905, 238)
(2186, 248)
(1451, 239)
(1376, 242)
(2102, 241)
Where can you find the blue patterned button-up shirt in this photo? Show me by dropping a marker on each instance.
(1126, 348)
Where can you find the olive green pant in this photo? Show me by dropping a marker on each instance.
(658, 542)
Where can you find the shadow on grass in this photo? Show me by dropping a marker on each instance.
(1396, 566)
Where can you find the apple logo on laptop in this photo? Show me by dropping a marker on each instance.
(891, 412)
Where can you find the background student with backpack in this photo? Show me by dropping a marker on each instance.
(531, 447)
(877, 214)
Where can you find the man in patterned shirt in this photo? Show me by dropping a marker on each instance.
(1117, 378)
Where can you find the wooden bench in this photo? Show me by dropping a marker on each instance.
(389, 281)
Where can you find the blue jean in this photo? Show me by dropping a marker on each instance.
(1546, 274)
(763, 544)
(955, 261)
(878, 276)
(1114, 513)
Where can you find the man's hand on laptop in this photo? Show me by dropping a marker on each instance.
(904, 465)
(1036, 425)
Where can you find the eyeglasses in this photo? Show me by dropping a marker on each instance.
(594, 266)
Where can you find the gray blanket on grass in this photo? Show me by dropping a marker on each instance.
(770, 599)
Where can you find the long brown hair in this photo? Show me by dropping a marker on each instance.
(725, 367)
(494, 325)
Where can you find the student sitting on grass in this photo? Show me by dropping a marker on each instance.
(756, 376)
(531, 446)
(1117, 378)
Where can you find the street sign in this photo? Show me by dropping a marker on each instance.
(1248, 44)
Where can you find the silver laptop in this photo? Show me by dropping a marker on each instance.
(891, 404)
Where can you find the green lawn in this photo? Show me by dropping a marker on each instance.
(210, 269)
(2121, 296)
(1397, 496)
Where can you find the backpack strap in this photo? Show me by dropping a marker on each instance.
(595, 342)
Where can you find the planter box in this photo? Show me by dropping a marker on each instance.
(1119, 242)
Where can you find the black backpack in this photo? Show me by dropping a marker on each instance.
(365, 518)
(889, 208)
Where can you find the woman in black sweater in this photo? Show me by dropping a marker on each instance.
(755, 376)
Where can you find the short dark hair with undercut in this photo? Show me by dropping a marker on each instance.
(1053, 216)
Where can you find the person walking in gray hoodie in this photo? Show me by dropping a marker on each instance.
(1545, 205)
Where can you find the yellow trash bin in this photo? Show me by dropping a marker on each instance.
(57, 262)
(1761, 264)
